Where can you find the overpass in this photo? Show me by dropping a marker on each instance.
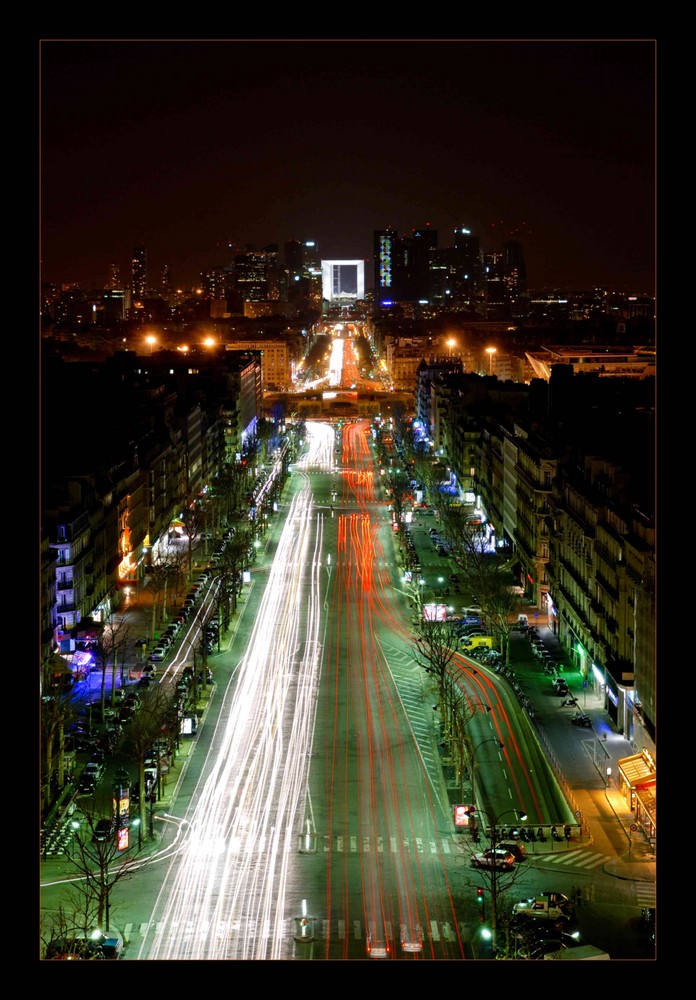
(328, 404)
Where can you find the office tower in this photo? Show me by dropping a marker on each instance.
(251, 275)
(311, 258)
(213, 283)
(166, 280)
(139, 273)
(515, 277)
(467, 276)
(412, 268)
(497, 298)
(114, 305)
(114, 277)
(294, 258)
(385, 252)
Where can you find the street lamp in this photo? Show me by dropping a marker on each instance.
(490, 351)
(151, 341)
(451, 343)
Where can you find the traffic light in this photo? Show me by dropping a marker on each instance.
(479, 900)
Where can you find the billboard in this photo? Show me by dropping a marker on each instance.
(434, 612)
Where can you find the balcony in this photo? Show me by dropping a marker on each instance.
(66, 609)
(579, 578)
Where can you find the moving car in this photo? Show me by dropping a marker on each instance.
(497, 859)
(377, 944)
(411, 938)
(515, 848)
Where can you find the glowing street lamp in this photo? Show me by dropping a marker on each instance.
(151, 341)
(451, 343)
(490, 351)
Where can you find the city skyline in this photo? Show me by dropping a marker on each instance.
(195, 149)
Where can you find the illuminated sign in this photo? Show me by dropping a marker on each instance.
(123, 838)
(461, 815)
(434, 612)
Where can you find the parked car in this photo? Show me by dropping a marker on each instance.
(79, 948)
(150, 796)
(494, 859)
(103, 830)
(96, 769)
(536, 945)
(545, 906)
(157, 654)
(87, 785)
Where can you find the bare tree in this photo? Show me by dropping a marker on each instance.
(485, 572)
(110, 647)
(152, 721)
(497, 885)
(100, 865)
(57, 710)
(425, 472)
(161, 576)
(398, 490)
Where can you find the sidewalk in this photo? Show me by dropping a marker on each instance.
(581, 758)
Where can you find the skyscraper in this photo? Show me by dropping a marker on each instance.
(515, 277)
(385, 250)
(114, 277)
(413, 260)
(139, 273)
(468, 266)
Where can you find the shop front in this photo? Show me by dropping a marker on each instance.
(638, 785)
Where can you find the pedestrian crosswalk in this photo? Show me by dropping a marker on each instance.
(326, 930)
(581, 858)
(355, 844)
(645, 893)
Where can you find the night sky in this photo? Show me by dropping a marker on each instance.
(192, 147)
